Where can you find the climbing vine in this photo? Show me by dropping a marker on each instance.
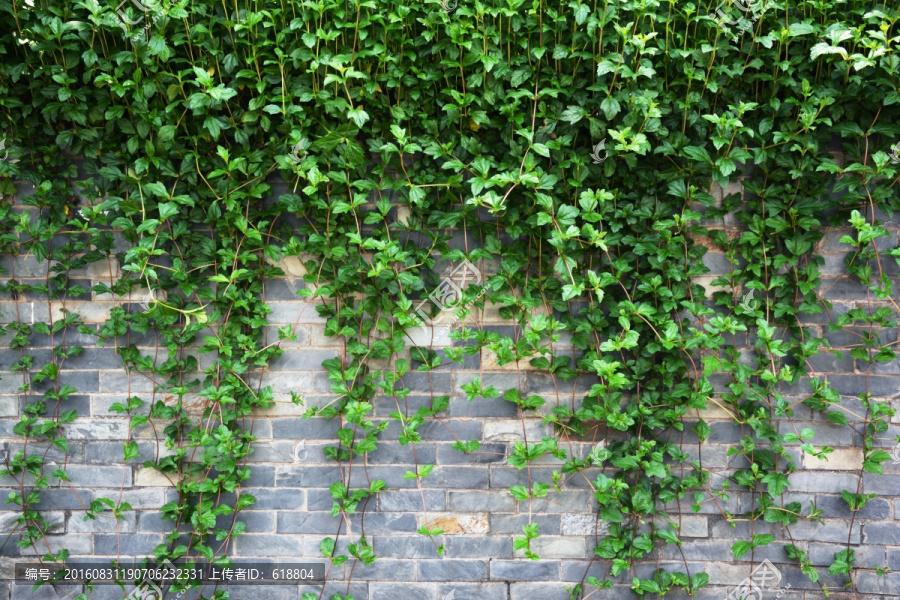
(190, 147)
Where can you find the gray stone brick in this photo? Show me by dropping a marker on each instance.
(445, 430)
(481, 501)
(407, 546)
(272, 498)
(822, 482)
(525, 570)
(487, 453)
(358, 589)
(397, 454)
(256, 521)
(411, 500)
(464, 546)
(449, 569)
(302, 360)
(544, 591)
(385, 405)
(301, 331)
(547, 524)
(60, 499)
(882, 533)
(305, 429)
(104, 523)
(871, 583)
(458, 477)
(305, 476)
(388, 570)
(460, 406)
(45, 592)
(282, 289)
(83, 475)
(836, 507)
(133, 544)
(283, 381)
(877, 386)
(867, 556)
(250, 544)
(97, 429)
(886, 485)
(834, 530)
(78, 544)
(83, 381)
(473, 591)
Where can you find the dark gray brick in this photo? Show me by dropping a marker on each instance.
(135, 544)
(296, 428)
(448, 569)
(460, 406)
(250, 544)
(482, 501)
(396, 454)
(524, 570)
(411, 500)
(282, 289)
(473, 591)
(358, 589)
(305, 476)
(867, 556)
(387, 569)
(255, 521)
(879, 386)
(458, 477)
(302, 360)
(544, 591)
(487, 453)
(494, 546)
(882, 533)
(547, 524)
(836, 506)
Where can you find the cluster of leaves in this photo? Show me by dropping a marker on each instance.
(397, 125)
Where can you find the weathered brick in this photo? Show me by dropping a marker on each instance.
(503, 523)
(558, 547)
(448, 569)
(103, 523)
(473, 591)
(487, 453)
(133, 544)
(411, 500)
(524, 570)
(481, 501)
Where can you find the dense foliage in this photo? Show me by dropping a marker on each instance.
(397, 124)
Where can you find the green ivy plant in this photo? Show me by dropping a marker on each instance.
(396, 126)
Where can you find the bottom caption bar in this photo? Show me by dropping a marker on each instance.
(169, 573)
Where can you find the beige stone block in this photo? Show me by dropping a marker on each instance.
(556, 547)
(512, 431)
(153, 478)
(456, 524)
(842, 459)
(89, 312)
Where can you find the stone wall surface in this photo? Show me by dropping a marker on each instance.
(467, 496)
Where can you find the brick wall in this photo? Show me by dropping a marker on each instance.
(467, 496)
